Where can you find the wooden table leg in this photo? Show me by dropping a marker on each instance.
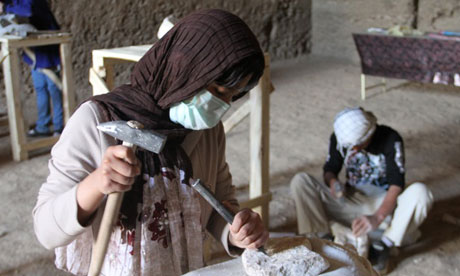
(104, 69)
(68, 88)
(12, 77)
(109, 75)
(363, 87)
(99, 70)
(259, 141)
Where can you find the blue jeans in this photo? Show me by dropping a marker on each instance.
(46, 89)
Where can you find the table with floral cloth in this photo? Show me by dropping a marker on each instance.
(428, 59)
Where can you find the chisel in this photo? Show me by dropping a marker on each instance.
(217, 205)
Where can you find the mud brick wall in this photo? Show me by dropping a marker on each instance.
(283, 28)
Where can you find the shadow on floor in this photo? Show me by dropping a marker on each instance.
(39, 267)
(376, 87)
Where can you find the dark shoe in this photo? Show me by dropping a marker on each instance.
(34, 133)
(328, 236)
(379, 256)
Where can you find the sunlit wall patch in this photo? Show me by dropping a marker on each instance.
(399, 156)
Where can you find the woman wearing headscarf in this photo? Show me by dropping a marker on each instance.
(374, 194)
(181, 88)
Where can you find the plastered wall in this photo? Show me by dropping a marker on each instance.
(333, 21)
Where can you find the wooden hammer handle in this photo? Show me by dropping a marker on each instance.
(112, 208)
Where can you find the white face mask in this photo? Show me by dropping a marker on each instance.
(202, 111)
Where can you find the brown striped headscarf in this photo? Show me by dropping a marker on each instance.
(199, 49)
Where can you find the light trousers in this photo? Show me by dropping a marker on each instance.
(316, 206)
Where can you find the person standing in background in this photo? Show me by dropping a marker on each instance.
(44, 63)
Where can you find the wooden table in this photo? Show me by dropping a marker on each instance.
(101, 78)
(428, 59)
(10, 47)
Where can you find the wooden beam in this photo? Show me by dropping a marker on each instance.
(41, 143)
(363, 87)
(68, 86)
(99, 69)
(109, 76)
(240, 114)
(257, 201)
(36, 39)
(130, 53)
(98, 84)
(259, 140)
(12, 76)
(237, 116)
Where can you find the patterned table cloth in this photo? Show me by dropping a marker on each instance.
(417, 58)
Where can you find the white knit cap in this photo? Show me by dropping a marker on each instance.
(353, 126)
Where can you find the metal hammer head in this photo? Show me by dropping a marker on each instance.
(128, 132)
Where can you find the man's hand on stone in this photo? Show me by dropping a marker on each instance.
(364, 225)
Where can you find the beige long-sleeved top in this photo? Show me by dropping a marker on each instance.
(79, 152)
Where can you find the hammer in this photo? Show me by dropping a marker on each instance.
(132, 134)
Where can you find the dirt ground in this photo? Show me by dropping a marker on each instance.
(309, 92)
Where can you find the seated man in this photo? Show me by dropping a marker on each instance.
(373, 156)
